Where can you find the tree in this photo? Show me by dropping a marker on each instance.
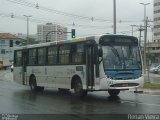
(150, 57)
(30, 41)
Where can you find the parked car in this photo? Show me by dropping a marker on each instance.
(155, 69)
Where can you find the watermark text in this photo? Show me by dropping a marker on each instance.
(143, 116)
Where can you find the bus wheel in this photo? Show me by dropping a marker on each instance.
(33, 84)
(79, 90)
(113, 92)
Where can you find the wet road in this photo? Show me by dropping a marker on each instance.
(18, 99)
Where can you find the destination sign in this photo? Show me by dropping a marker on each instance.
(118, 40)
(122, 40)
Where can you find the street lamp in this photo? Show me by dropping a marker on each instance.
(145, 33)
(27, 16)
(48, 34)
(144, 4)
(114, 16)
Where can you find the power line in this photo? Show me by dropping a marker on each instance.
(39, 20)
(125, 32)
(36, 6)
(91, 18)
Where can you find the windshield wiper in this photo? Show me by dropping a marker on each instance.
(115, 52)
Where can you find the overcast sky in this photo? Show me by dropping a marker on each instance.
(88, 17)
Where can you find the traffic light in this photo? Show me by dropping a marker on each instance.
(11, 43)
(73, 33)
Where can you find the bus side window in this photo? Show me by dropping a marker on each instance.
(52, 55)
(41, 56)
(77, 54)
(73, 53)
(64, 53)
(18, 58)
(32, 56)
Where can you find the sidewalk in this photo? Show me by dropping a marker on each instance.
(153, 91)
(153, 78)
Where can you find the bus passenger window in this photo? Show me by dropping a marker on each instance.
(64, 53)
(18, 58)
(32, 56)
(52, 55)
(41, 56)
(77, 54)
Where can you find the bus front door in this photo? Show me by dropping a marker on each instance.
(90, 66)
(24, 70)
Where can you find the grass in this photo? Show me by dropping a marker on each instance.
(152, 85)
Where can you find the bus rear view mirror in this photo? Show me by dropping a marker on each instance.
(100, 52)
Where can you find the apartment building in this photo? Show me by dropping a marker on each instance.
(154, 46)
(156, 12)
(51, 32)
(7, 44)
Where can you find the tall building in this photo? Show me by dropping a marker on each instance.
(156, 20)
(154, 47)
(51, 32)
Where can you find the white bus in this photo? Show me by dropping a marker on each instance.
(106, 63)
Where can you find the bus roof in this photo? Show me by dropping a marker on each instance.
(96, 38)
(57, 42)
(121, 36)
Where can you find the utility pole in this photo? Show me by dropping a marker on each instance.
(140, 35)
(27, 16)
(132, 28)
(114, 16)
(145, 34)
(145, 41)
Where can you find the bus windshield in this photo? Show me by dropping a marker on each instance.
(121, 57)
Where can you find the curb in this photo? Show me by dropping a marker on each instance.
(153, 88)
(140, 91)
(146, 91)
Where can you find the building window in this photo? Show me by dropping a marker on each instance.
(2, 41)
(157, 4)
(157, 19)
(157, 26)
(156, 11)
(157, 34)
(3, 51)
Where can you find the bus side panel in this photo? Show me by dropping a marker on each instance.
(51, 78)
(40, 73)
(58, 76)
(63, 75)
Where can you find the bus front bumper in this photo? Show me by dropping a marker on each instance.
(107, 83)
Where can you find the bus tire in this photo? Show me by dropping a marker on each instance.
(33, 84)
(78, 89)
(113, 92)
